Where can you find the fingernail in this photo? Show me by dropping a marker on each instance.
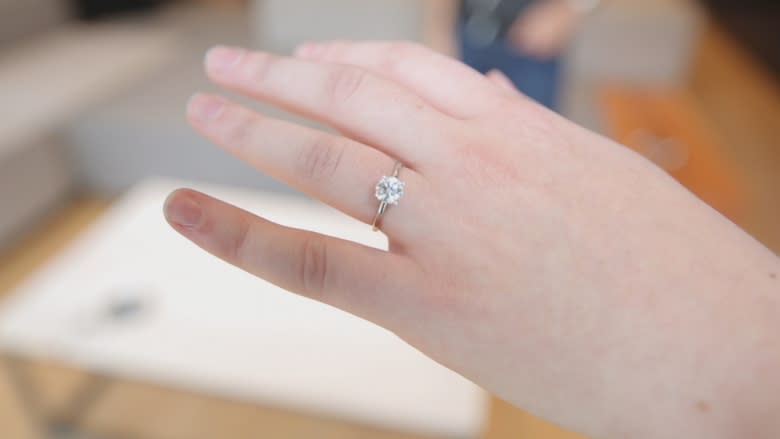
(220, 59)
(183, 210)
(205, 108)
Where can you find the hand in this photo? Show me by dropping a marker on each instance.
(557, 269)
(545, 29)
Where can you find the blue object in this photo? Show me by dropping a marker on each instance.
(539, 79)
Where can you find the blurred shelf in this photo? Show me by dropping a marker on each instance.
(50, 79)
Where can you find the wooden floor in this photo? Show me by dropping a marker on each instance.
(142, 411)
(741, 99)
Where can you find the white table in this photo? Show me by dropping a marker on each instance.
(208, 327)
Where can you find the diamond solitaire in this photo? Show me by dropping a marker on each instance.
(389, 190)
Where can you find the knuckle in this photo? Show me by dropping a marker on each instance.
(238, 246)
(403, 48)
(346, 82)
(397, 55)
(313, 273)
(334, 50)
(258, 66)
(238, 131)
(321, 159)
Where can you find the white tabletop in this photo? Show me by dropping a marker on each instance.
(212, 328)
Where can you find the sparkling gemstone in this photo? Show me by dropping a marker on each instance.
(389, 190)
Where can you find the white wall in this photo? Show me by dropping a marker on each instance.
(281, 24)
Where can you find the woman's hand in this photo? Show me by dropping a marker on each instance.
(557, 269)
(545, 29)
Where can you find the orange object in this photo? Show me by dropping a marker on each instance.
(665, 126)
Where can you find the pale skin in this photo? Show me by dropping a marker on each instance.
(557, 269)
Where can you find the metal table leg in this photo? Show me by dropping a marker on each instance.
(58, 425)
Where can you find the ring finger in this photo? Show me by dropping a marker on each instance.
(335, 170)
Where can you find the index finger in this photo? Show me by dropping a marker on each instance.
(361, 105)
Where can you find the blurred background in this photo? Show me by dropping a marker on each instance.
(92, 96)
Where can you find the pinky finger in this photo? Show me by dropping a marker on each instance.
(364, 281)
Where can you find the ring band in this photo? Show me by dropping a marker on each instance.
(388, 191)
